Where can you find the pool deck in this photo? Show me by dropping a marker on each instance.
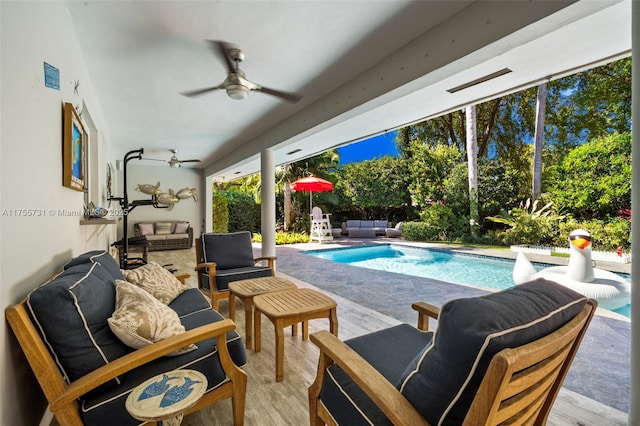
(600, 371)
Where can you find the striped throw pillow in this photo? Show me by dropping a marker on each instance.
(163, 228)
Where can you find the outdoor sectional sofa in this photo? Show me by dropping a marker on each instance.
(66, 330)
(166, 234)
(366, 228)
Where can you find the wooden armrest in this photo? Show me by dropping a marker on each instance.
(271, 260)
(425, 310)
(140, 357)
(207, 265)
(182, 277)
(384, 394)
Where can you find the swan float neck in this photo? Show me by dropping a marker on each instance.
(580, 266)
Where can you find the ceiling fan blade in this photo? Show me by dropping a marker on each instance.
(198, 92)
(153, 159)
(287, 96)
(221, 48)
(189, 161)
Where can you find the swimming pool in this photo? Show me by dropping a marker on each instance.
(478, 271)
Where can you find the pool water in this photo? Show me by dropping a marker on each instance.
(478, 271)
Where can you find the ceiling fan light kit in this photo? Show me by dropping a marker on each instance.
(237, 92)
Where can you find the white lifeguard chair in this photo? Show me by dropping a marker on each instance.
(320, 226)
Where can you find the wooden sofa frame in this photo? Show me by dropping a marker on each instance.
(63, 396)
(519, 386)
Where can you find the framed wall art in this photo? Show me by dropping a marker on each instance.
(74, 151)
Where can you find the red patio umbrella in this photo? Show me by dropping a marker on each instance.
(311, 184)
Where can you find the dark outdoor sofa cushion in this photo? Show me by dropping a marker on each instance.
(223, 278)
(97, 256)
(75, 326)
(346, 401)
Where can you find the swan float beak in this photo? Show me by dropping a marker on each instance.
(580, 241)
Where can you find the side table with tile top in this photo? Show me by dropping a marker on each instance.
(246, 290)
(165, 397)
(290, 307)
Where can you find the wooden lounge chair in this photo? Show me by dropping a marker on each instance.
(223, 258)
(494, 359)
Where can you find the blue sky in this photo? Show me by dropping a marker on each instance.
(375, 147)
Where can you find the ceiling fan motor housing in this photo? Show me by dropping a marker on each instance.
(236, 55)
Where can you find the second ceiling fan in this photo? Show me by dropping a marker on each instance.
(236, 84)
(175, 163)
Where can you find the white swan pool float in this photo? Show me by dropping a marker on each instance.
(610, 290)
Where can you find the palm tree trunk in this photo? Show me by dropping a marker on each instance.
(472, 159)
(287, 199)
(538, 143)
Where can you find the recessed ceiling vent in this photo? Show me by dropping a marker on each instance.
(480, 80)
(294, 151)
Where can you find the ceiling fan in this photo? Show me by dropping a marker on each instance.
(175, 163)
(236, 84)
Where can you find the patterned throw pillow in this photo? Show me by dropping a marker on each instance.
(145, 228)
(163, 228)
(182, 227)
(140, 320)
(156, 280)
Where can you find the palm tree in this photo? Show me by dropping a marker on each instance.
(472, 159)
(541, 102)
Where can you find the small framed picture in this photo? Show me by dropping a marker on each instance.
(74, 150)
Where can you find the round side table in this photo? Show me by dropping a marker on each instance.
(164, 398)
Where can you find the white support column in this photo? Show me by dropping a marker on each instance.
(634, 396)
(207, 221)
(268, 211)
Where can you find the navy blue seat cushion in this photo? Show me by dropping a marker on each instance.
(389, 351)
(233, 250)
(442, 381)
(189, 301)
(74, 326)
(97, 256)
(223, 278)
(109, 408)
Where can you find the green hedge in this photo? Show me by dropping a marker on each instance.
(285, 238)
(244, 212)
(220, 214)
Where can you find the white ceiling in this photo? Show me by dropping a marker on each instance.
(363, 67)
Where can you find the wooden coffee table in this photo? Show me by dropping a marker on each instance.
(288, 308)
(246, 290)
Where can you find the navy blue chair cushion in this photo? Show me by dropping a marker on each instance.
(74, 326)
(442, 381)
(109, 408)
(189, 301)
(389, 351)
(228, 251)
(223, 278)
(100, 256)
